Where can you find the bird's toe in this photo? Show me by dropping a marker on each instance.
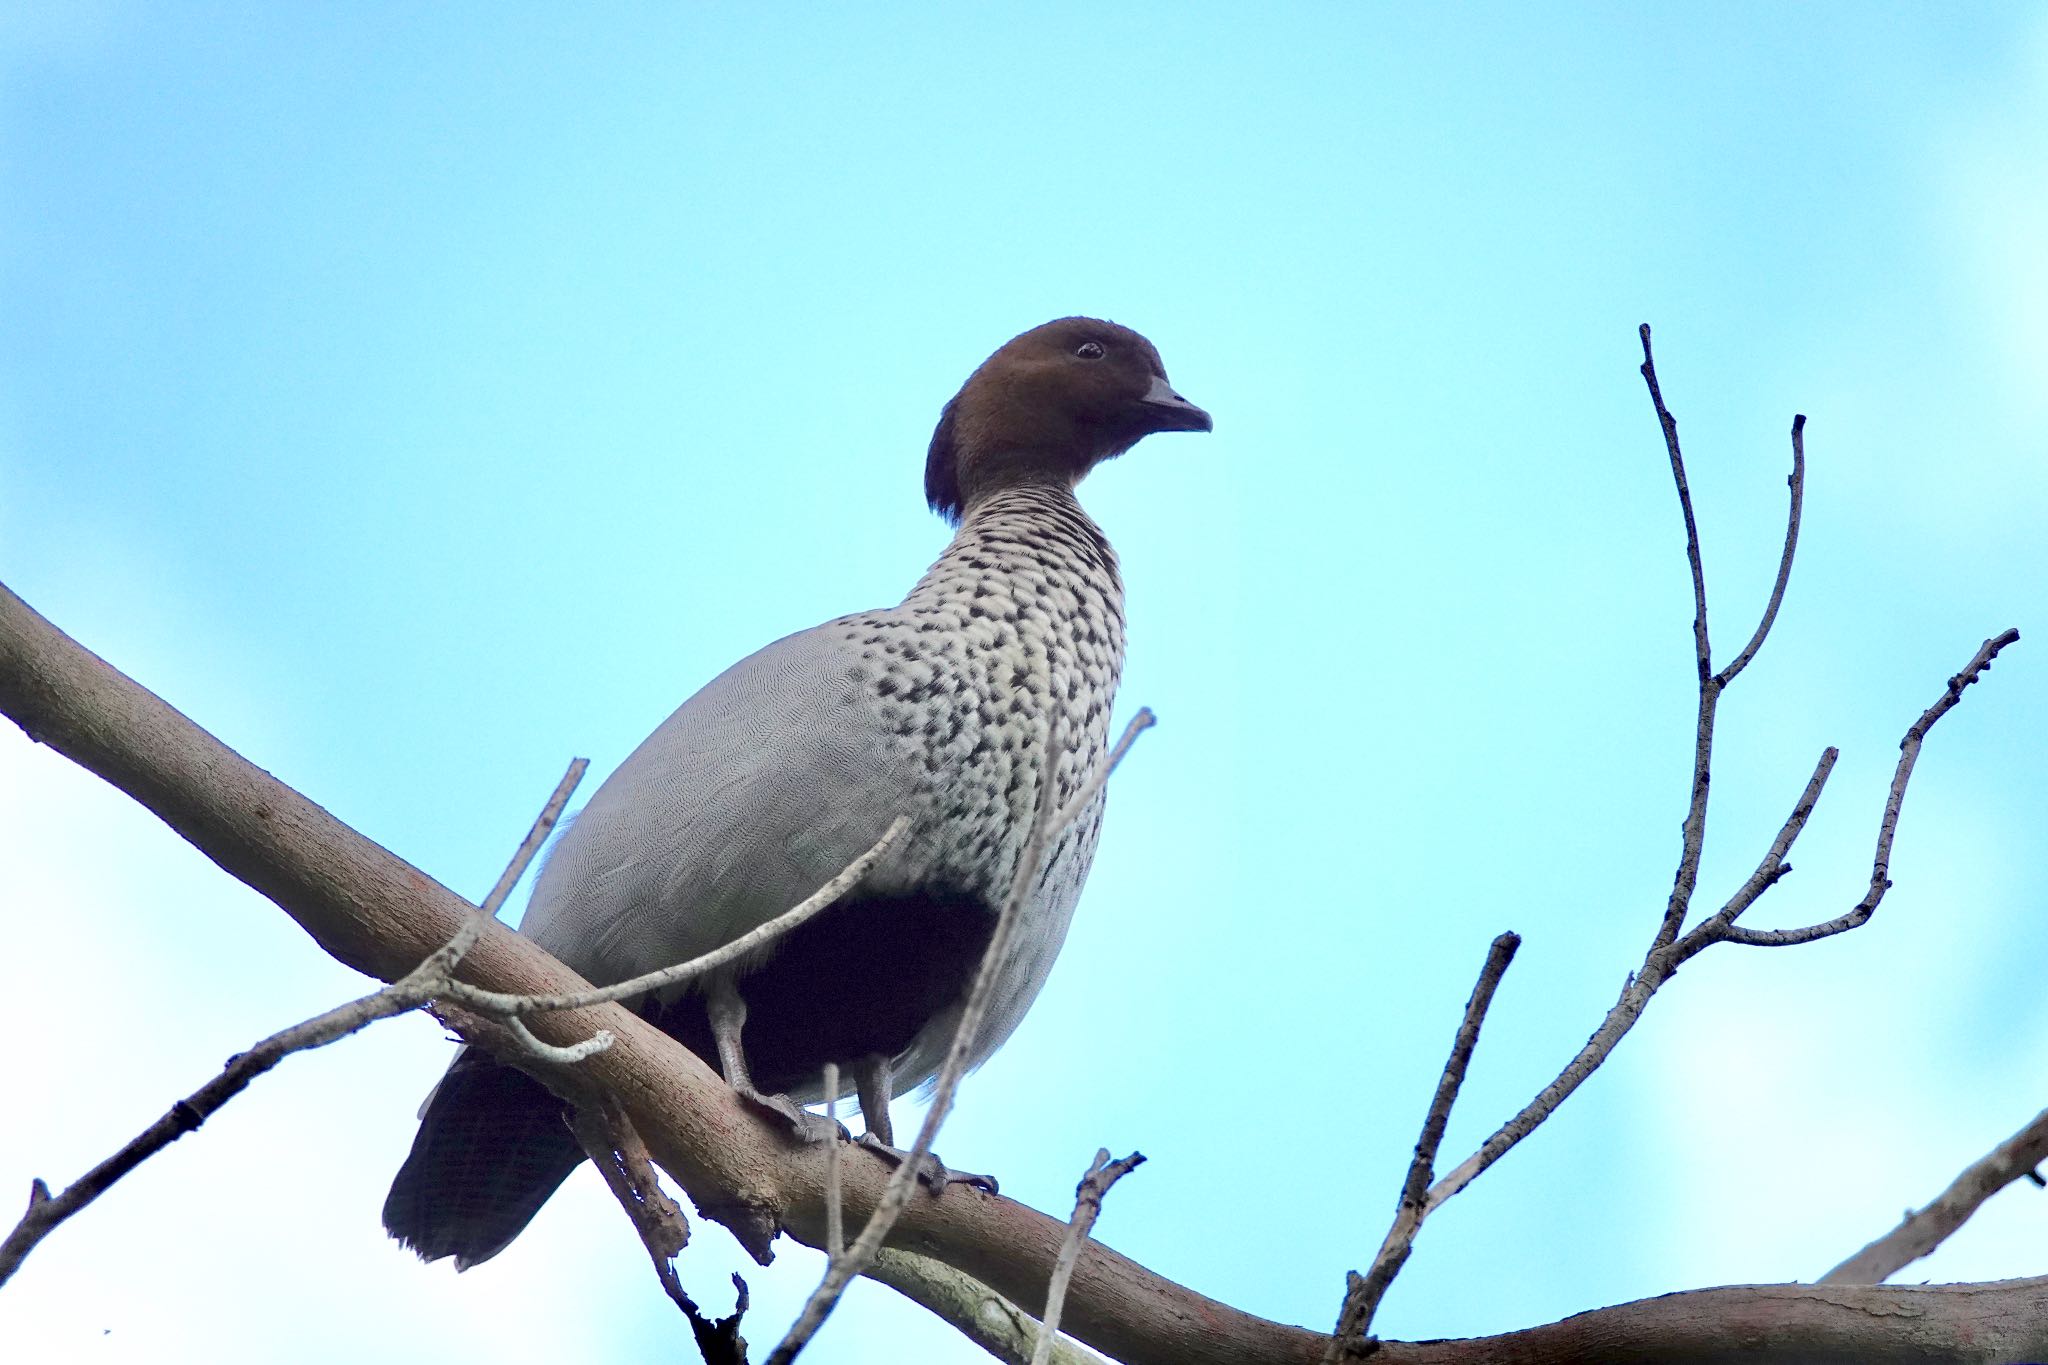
(932, 1173)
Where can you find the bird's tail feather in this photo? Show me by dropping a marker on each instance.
(492, 1146)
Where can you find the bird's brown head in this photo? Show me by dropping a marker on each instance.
(1048, 407)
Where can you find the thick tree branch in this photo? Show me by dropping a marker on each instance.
(375, 913)
(1999, 1323)
(408, 993)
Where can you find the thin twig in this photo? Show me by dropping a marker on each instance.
(1796, 481)
(979, 1313)
(1769, 872)
(1695, 836)
(1364, 1292)
(1088, 1197)
(1668, 951)
(835, 1212)
(1888, 825)
(615, 1147)
(507, 1006)
(46, 1211)
(2014, 1159)
(1703, 654)
(841, 1270)
(1045, 822)
(561, 1054)
(535, 836)
(1663, 960)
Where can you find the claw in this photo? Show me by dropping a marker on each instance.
(932, 1173)
(804, 1126)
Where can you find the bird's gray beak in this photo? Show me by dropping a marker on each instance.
(1170, 411)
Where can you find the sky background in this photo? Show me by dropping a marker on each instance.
(417, 400)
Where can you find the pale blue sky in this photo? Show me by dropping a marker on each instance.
(419, 400)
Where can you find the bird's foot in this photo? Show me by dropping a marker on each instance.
(932, 1173)
(803, 1125)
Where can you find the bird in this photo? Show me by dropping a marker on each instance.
(783, 769)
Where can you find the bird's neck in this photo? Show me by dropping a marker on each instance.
(1032, 533)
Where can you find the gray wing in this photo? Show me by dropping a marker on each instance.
(755, 792)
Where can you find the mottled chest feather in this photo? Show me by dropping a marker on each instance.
(1016, 634)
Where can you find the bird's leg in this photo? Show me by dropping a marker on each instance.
(874, 1082)
(876, 1086)
(728, 1012)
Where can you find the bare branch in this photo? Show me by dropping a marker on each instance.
(46, 1211)
(835, 1215)
(1668, 950)
(2014, 1159)
(1780, 1324)
(1702, 652)
(1771, 870)
(1695, 829)
(1797, 482)
(983, 1316)
(535, 836)
(614, 1146)
(565, 1054)
(377, 914)
(1364, 1292)
(1664, 959)
(1888, 824)
(1088, 1197)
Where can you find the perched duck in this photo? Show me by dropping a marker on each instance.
(795, 760)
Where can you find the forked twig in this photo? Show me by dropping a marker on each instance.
(1088, 1196)
(1888, 825)
(615, 1147)
(1665, 959)
(1668, 950)
(1712, 684)
(46, 1210)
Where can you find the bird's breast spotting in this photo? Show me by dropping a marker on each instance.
(1014, 636)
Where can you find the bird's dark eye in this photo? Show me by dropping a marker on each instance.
(1090, 350)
